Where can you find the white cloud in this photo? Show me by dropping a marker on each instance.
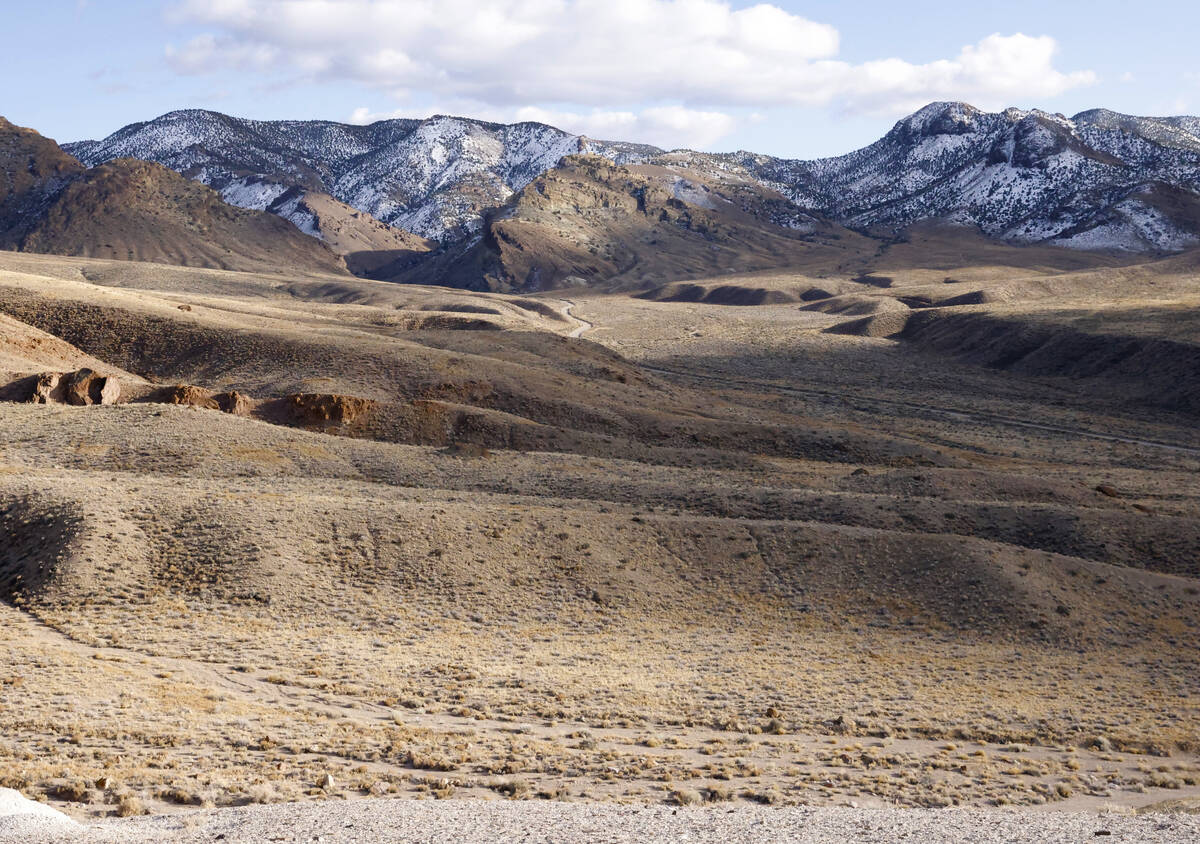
(998, 71)
(204, 52)
(593, 52)
(689, 59)
(664, 126)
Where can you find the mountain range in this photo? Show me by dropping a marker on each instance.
(528, 206)
(431, 177)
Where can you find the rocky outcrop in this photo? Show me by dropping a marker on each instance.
(87, 387)
(233, 402)
(47, 389)
(328, 408)
(189, 395)
(193, 396)
(80, 388)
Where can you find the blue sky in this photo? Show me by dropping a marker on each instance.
(800, 79)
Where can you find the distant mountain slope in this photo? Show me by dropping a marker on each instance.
(208, 146)
(1098, 180)
(433, 177)
(136, 210)
(591, 222)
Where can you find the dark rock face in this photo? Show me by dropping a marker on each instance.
(322, 409)
(47, 388)
(86, 387)
(233, 402)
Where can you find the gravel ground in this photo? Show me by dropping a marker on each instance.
(477, 821)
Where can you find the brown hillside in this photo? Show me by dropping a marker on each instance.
(32, 169)
(591, 222)
(135, 210)
(28, 159)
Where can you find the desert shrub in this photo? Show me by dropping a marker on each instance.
(429, 762)
(129, 805)
(74, 791)
(718, 794)
(686, 797)
(510, 788)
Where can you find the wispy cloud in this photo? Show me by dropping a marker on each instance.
(664, 126)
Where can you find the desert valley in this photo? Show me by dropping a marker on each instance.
(449, 460)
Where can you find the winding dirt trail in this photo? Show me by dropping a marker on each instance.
(581, 325)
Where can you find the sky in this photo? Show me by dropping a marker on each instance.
(794, 79)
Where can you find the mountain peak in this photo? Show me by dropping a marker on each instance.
(1098, 115)
(191, 114)
(939, 118)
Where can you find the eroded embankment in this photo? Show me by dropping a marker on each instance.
(1146, 370)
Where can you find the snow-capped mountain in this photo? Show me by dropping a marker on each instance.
(433, 177)
(1099, 180)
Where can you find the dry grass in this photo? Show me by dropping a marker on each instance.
(697, 591)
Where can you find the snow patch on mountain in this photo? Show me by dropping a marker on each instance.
(252, 193)
(1021, 176)
(694, 194)
(1132, 226)
(292, 208)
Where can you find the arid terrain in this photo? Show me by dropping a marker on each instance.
(920, 527)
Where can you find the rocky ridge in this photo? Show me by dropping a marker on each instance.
(1099, 180)
(432, 177)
